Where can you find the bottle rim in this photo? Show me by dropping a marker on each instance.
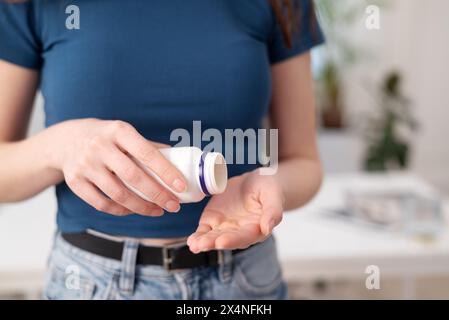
(213, 173)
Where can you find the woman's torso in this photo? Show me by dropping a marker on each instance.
(159, 65)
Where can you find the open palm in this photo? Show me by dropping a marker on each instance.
(244, 214)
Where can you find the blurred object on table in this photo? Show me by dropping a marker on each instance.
(401, 210)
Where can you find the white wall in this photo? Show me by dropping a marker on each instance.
(430, 83)
(38, 116)
(414, 38)
(44, 203)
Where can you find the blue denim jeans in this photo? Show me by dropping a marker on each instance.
(76, 274)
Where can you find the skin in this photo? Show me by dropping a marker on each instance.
(253, 204)
(89, 154)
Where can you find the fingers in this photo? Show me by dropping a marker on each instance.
(111, 186)
(129, 172)
(205, 238)
(202, 240)
(146, 152)
(238, 239)
(99, 164)
(271, 217)
(201, 230)
(160, 145)
(272, 201)
(90, 194)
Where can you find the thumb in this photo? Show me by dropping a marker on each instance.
(271, 217)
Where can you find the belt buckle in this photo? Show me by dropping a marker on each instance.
(220, 257)
(167, 260)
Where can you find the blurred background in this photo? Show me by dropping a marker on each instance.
(378, 229)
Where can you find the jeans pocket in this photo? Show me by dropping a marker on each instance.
(68, 285)
(257, 271)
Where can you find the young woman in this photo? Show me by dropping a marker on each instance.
(117, 77)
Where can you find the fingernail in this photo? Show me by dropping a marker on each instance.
(158, 212)
(172, 206)
(179, 185)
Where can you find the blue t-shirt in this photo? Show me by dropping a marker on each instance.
(159, 65)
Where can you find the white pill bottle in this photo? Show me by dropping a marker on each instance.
(206, 173)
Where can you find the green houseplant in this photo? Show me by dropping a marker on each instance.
(386, 147)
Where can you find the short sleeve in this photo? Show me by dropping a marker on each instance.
(18, 42)
(306, 33)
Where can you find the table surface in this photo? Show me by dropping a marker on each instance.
(310, 245)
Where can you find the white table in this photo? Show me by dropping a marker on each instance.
(310, 246)
(313, 247)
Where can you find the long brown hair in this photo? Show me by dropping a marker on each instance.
(288, 15)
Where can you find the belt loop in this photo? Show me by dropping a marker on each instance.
(225, 265)
(128, 269)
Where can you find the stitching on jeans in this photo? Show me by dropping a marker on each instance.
(245, 285)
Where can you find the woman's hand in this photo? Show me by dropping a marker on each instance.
(93, 154)
(244, 214)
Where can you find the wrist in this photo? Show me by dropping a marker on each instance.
(58, 141)
(50, 148)
(40, 146)
(53, 143)
(35, 150)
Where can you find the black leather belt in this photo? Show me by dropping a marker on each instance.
(170, 257)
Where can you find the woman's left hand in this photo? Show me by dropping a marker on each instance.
(244, 214)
